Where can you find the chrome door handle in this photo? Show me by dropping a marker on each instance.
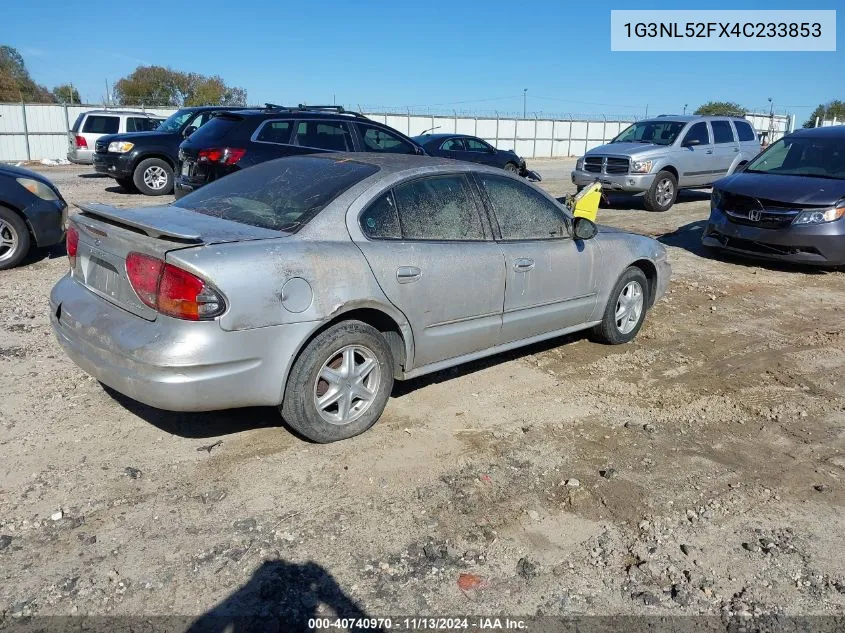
(523, 265)
(407, 274)
(709, 151)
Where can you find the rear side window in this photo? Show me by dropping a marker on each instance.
(215, 130)
(453, 145)
(378, 140)
(744, 131)
(440, 208)
(381, 221)
(273, 132)
(722, 132)
(141, 124)
(328, 135)
(522, 212)
(281, 195)
(76, 124)
(98, 124)
(698, 132)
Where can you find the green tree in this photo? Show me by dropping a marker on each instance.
(720, 108)
(66, 93)
(832, 109)
(159, 86)
(15, 82)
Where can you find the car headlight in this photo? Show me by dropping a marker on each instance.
(641, 166)
(716, 199)
(821, 216)
(579, 164)
(38, 188)
(120, 147)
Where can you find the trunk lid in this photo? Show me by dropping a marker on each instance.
(107, 235)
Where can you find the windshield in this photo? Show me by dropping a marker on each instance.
(174, 122)
(280, 194)
(657, 132)
(802, 156)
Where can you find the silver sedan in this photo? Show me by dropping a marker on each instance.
(311, 283)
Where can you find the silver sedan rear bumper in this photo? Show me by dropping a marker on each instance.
(169, 363)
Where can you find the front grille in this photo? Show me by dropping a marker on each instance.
(763, 214)
(606, 165)
(101, 147)
(593, 164)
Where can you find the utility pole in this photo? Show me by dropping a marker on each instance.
(685, 108)
(524, 102)
(108, 96)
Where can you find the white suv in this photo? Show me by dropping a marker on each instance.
(91, 125)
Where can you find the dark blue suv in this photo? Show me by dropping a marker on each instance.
(237, 140)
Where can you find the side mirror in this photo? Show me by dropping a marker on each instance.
(419, 150)
(691, 142)
(584, 229)
(189, 130)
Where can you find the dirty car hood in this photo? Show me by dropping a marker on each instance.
(802, 190)
(181, 224)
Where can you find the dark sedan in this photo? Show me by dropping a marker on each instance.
(474, 150)
(788, 204)
(32, 214)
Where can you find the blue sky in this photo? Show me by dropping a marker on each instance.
(476, 55)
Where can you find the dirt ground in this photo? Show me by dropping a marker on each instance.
(699, 469)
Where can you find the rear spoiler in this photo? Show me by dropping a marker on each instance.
(134, 218)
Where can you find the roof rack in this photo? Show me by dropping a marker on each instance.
(303, 108)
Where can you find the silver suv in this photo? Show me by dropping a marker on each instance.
(659, 156)
(91, 125)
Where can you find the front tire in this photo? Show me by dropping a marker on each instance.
(153, 177)
(512, 168)
(340, 384)
(14, 239)
(662, 193)
(626, 309)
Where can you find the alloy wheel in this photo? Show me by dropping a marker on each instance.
(665, 192)
(8, 240)
(629, 307)
(155, 177)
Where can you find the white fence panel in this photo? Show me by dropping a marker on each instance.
(11, 119)
(487, 128)
(466, 126)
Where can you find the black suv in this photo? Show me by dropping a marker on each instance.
(237, 140)
(145, 160)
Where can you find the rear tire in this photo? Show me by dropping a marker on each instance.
(126, 184)
(14, 239)
(340, 384)
(662, 193)
(626, 309)
(153, 177)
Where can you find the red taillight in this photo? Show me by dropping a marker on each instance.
(171, 290)
(72, 245)
(80, 141)
(222, 155)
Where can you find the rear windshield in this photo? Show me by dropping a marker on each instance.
(281, 194)
(216, 129)
(76, 123)
(101, 124)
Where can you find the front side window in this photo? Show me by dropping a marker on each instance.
(657, 132)
(698, 132)
(522, 212)
(453, 145)
(378, 140)
(174, 122)
(722, 132)
(274, 132)
(744, 131)
(328, 135)
(802, 156)
(439, 208)
(474, 145)
(96, 124)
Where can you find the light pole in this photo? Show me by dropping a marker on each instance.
(524, 102)
(685, 108)
(771, 108)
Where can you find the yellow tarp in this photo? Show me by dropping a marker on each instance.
(586, 203)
